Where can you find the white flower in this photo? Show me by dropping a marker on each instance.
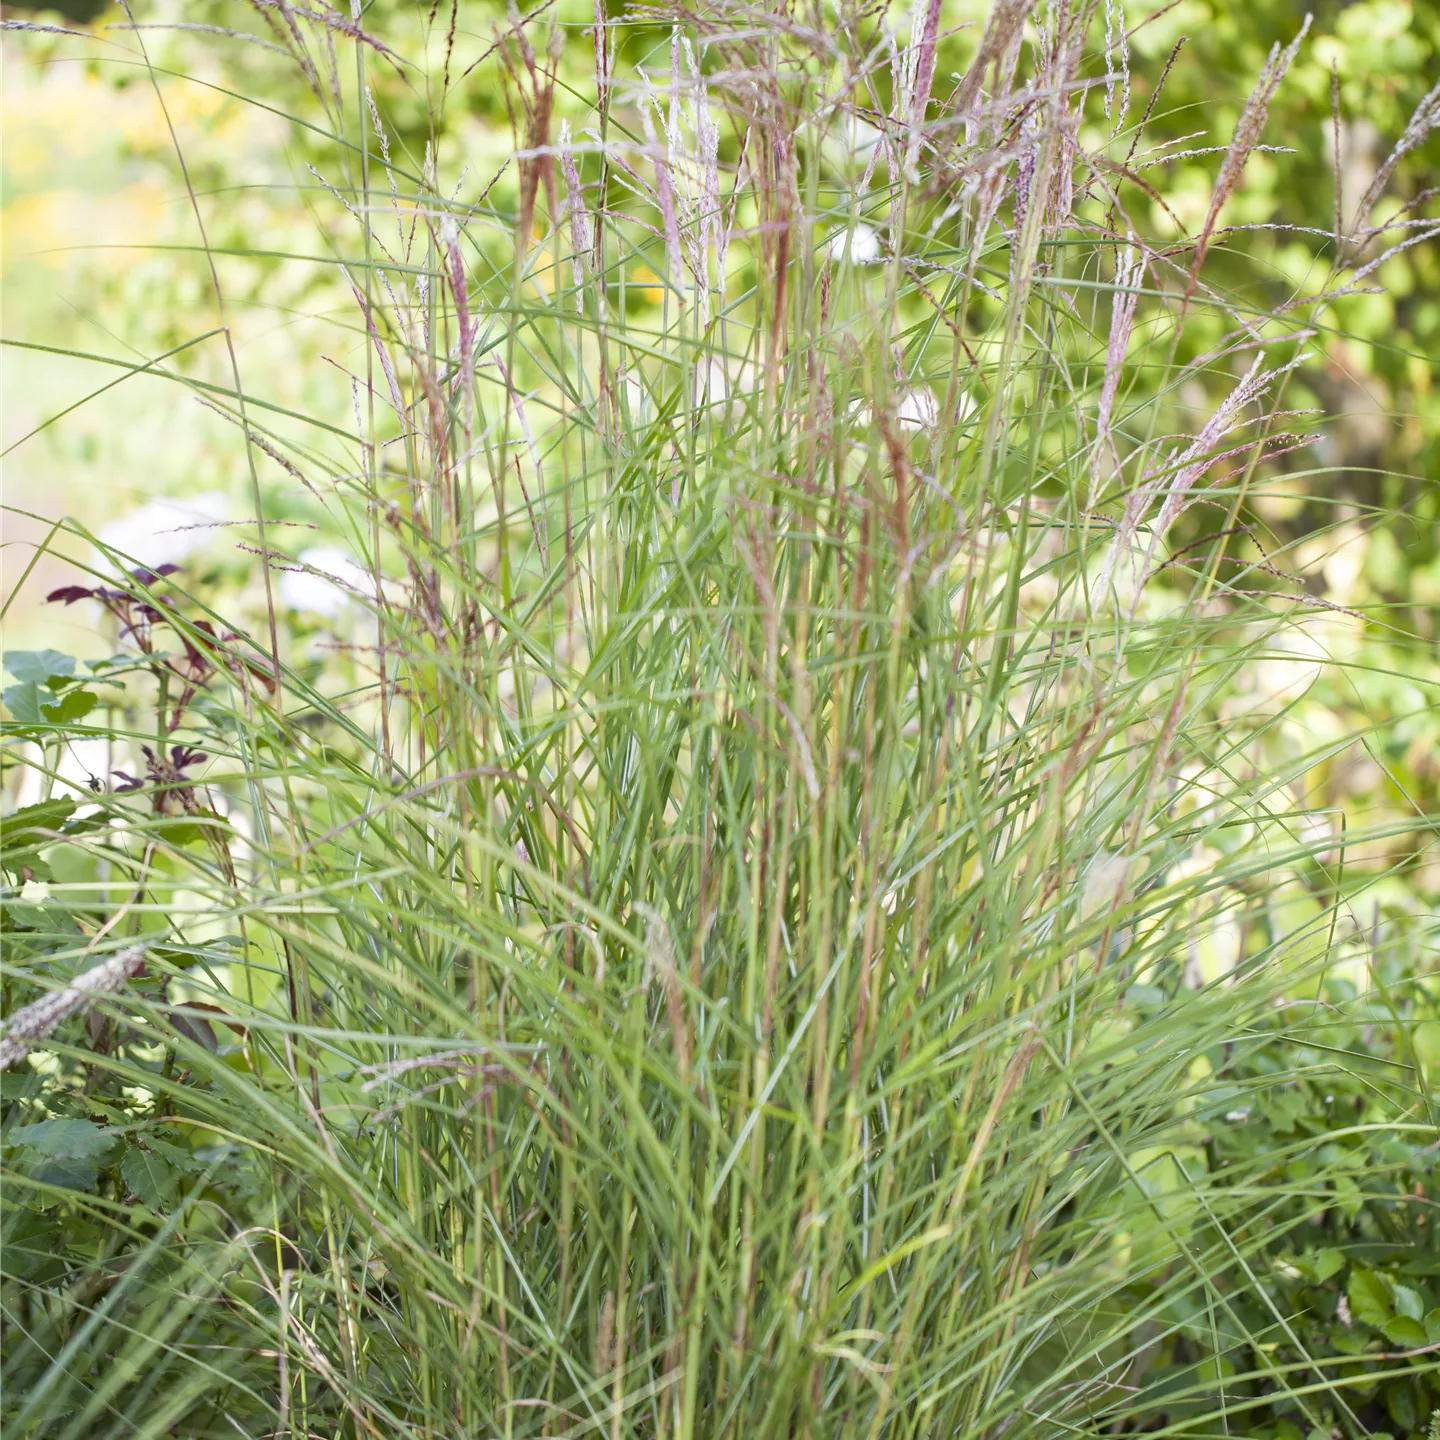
(326, 585)
(859, 137)
(714, 384)
(167, 530)
(918, 408)
(851, 144)
(637, 398)
(1104, 883)
(860, 246)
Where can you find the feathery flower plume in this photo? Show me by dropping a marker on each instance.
(1116, 40)
(1247, 136)
(580, 235)
(604, 57)
(384, 139)
(460, 290)
(1184, 469)
(712, 228)
(1425, 119)
(661, 965)
(927, 39)
(665, 198)
(36, 1021)
(1006, 20)
(1129, 277)
(1197, 458)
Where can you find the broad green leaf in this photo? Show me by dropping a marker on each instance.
(67, 1172)
(36, 823)
(1369, 1298)
(1400, 1402)
(1403, 1331)
(1407, 1302)
(150, 1176)
(25, 917)
(30, 704)
(26, 861)
(1326, 1263)
(178, 1157)
(23, 703)
(72, 706)
(1284, 1108)
(32, 1240)
(63, 1139)
(1432, 1327)
(1145, 997)
(47, 919)
(39, 667)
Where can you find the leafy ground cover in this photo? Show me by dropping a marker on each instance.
(801, 803)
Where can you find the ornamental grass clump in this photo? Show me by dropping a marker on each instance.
(730, 931)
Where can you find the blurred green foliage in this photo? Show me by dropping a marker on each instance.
(80, 12)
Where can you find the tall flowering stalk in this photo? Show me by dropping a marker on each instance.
(1248, 131)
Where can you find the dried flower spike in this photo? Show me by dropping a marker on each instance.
(35, 1022)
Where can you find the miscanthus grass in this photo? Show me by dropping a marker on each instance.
(749, 932)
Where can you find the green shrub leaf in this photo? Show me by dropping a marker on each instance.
(63, 1139)
(40, 667)
(1369, 1298)
(151, 1178)
(1407, 1333)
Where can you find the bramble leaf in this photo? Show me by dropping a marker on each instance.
(31, 704)
(149, 1175)
(40, 667)
(65, 1139)
(1369, 1298)
(1403, 1331)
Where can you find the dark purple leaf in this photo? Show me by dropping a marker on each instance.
(152, 577)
